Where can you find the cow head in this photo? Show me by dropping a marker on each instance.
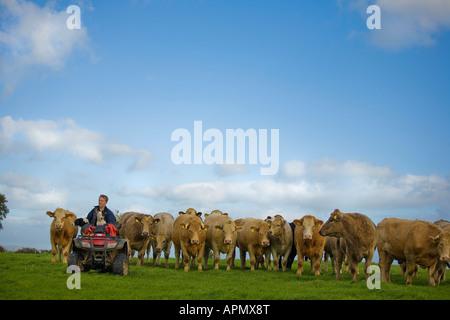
(191, 211)
(60, 217)
(145, 221)
(310, 225)
(261, 231)
(228, 231)
(194, 230)
(442, 242)
(161, 241)
(276, 225)
(333, 227)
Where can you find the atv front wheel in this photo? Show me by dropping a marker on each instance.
(120, 264)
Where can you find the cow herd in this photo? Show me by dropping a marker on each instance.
(345, 238)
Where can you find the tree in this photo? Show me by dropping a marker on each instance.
(3, 209)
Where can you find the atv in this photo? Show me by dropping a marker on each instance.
(100, 251)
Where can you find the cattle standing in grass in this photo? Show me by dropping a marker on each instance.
(161, 237)
(392, 238)
(62, 232)
(359, 234)
(253, 238)
(136, 229)
(426, 245)
(280, 235)
(189, 234)
(309, 242)
(220, 237)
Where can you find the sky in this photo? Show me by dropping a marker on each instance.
(362, 114)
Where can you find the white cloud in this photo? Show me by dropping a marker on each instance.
(33, 37)
(66, 137)
(317, 187)
(404, 23)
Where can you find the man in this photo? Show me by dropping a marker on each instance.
(99, 215)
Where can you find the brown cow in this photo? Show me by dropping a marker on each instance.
(220, 237)
(161, 237)
(442, 265)
(191, 211)
(426, 245)
(189, 234)
(280, 235)
(359, 234)
(309, 242)
(62, 232)
(136, 229)
(392, 238)
(253, 238)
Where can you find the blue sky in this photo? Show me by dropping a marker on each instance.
(362, 114)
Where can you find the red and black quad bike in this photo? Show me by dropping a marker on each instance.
(100, 251)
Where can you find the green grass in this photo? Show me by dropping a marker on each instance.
(32, 276)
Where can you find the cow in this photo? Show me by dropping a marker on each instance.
(191, 211)
(62, 232)
(136, 229)
(392, 238)
(427, 245)
(442, 265)
(161, 238)
(309, 242)
(189, 235)
(280, 235)
(254, 239)
(360, 236)
(221, 238)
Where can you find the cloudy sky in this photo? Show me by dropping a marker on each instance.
(362, 114)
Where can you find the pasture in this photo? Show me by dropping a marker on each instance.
(32, 276)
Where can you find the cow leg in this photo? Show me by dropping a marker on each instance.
(205, 258)
(54, 251)
(141, 254)
(253, 261)
(177, 257)
(301, 261)
(242, 255)
(367, 263)
(431, 271)
(410, 265)
(200, 257)
(66, 251)
(267, 256)
(315, 264)
(216, 258)
(338, 263)
(60, 248)
(229, 258)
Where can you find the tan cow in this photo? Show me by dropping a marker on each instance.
(62, 232)
(136, 229)
(442, 265)
(161, 237)
(280, 235)
(309, 243)
(392, 238)
(426, 245)
(220, 238)
(359, 234)
(254, 239)
(189, 235)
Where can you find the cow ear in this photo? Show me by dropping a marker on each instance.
(199, 214)
(70, 215)
(238, 228)
(319, 223)
(137, 220)
(183, 226)
(297, 222)
(206, 215)
(225, 214)
(181, 213)
(50, 214)
(253, 229)
(205, 227)
(155, 221)
(218, 227)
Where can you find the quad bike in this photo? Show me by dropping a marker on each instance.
(100, 251)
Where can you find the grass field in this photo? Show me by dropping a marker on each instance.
(32, 276)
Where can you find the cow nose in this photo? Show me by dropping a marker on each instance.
(145, 234)
(447, 259)
(307, 236)
(194, 241)
(227, 241)
(269, 232)
(265, 243)
(158, 250)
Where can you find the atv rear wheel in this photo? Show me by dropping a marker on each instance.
(120, 264)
